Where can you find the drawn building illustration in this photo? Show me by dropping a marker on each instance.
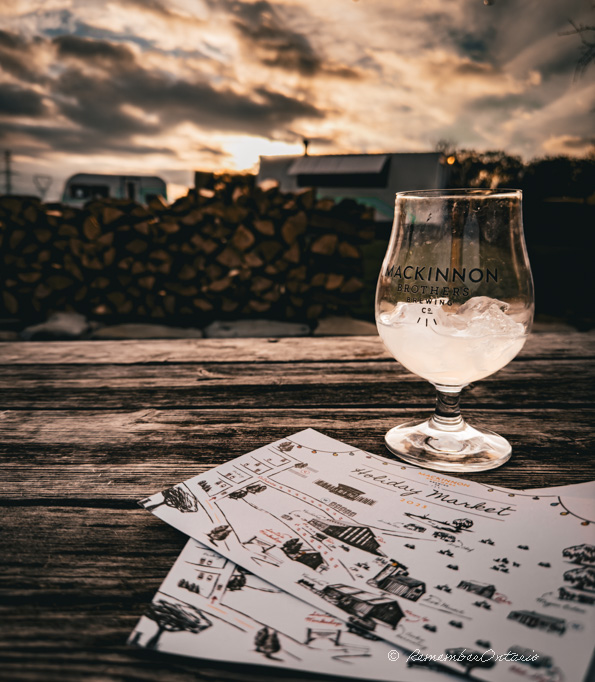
(362, 604)
(482, 589)
(532, 619)
(212, 559)
(346, 491)
(356, 536)
(293, 549)
(395, 579)
(311, 559)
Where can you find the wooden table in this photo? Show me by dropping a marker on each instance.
(88, 428)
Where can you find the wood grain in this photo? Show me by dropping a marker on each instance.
(526, 382)
(323, 349)
(88, 428)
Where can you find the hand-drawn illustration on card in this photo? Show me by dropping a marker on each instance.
(389, 549)
(267, 642)
(177, 497)
(395, 578)
(174, 616)
(346, 491)
(532, 619)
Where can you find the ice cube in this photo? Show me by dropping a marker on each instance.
(480, 316)
(403, 313)
(412, 313)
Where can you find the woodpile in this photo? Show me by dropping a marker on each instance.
(227, 250)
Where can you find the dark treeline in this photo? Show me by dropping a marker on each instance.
(559, 220)
(556, 176)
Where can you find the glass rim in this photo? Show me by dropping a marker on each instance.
(463, 193)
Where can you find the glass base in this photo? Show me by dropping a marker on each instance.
(453, 447)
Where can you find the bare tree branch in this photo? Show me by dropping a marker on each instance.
(587, 47)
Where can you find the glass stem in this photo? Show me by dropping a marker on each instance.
(447, 415)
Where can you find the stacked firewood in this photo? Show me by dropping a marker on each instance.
(226, 250)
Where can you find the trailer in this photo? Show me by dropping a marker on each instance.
(84, 187)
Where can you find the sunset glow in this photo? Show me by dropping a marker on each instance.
(173, 86)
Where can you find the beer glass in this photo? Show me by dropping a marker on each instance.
(454, 304)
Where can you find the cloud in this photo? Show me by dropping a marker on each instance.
(198, 80)
(97, 102)
(104, 96)
(17, 56)
(12, 41)
(89, 50)
(275, 45)
(505, 103)
(35, 139)
(569, 144)
(16, 101)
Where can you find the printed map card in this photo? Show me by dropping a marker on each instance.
(382, 546)
(250, 621)
(208, 607)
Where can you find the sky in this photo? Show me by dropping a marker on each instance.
(171, 86)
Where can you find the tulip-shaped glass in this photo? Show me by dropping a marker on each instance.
(454, 304)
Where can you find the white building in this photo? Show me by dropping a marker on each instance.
(371, 179)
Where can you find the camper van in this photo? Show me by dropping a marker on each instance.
(84, 187)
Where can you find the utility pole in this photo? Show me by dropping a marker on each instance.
(7, 172)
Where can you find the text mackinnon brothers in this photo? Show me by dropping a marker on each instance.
(410, 275)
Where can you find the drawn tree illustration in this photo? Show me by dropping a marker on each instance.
(238, 494)
(462, 524)
(172, 617)
(580, 554)
(286, 447)
(255, 488)
(237, 581)
(292, 546)
(581, 578)
(300, 465)
(267, 642)
(260, 638)
(205, 486)
(219, 533)
(177, 498)
(271, 645)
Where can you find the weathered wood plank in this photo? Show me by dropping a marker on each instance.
(528, 383)
(73, 585)
(101, 657)
(324, 349)
(60, 455)
(66, 376)
(90, 428)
